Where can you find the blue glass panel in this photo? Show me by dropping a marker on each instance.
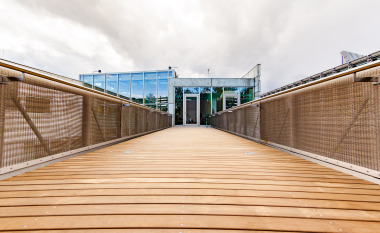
(191, 90)
(170, 74)
(125, 86)
(99, 82)
(150, 88)
(87, 80)
(137, 92)
(111, 84)
(163, 92)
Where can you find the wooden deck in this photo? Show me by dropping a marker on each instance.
(188, 179)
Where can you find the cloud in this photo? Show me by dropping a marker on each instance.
(291, 39)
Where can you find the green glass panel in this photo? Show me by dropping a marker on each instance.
(179, 106)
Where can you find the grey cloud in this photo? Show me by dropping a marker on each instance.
(291, 39)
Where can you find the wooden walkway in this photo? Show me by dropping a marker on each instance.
(188, 179)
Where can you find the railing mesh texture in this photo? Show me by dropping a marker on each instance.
(337, 119)
(41, 117)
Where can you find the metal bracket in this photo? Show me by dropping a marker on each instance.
(367, 79)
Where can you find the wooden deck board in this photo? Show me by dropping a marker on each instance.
(188, 179)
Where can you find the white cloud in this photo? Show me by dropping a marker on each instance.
(291, 39)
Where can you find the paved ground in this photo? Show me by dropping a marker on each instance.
(188, 179)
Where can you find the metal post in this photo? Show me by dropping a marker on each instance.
(2, 122)
(86, 121)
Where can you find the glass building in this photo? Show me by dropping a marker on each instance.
(190, 100)
(147, 88)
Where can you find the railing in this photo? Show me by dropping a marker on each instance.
(43, 118)
(335, 119)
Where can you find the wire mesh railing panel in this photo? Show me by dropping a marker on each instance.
(336, 118)
(125, 121)
(41, 117)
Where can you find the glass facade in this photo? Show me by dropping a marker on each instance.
(211, 100)
(148, 88)
(152, 89)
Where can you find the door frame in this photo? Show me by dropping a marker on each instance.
(230, 95)
(184, 108)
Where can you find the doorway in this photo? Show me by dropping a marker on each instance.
(191, 109)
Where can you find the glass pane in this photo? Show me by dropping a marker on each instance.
(111, 86)
(178, 106)
(125, 86)
(151, 106)
(217, 99)
(99, 82)
(205, 105)
(231, 90)
(150, 88)
(137, 88)
(163, 87)
(171, 74)
(163, 107)
(246, 94)
(87, 79)
(231, 101)
(191, 90)
(191, 110)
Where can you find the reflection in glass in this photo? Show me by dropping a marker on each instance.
(87, 81)
(191, 110)
(191, 90)
(137, 91)
(150, 88)
(163, 87)
(125, 86)
(178, 106)
(246, 94)
(163, 107)
(111, 84)
(231, 100)
(231, 90)
(217, 99)
(205, 105)
(99, 82)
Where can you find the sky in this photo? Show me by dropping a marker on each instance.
(291, 39)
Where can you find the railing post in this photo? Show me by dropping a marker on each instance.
(293, 122)
(118, 120)
(86, 121)
(2, 121)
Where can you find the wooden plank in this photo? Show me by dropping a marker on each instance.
(222, 200)
(169, 185)
(188, 221)
(194, 180)
(164, 209)
(189, 192)
(188, 185)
